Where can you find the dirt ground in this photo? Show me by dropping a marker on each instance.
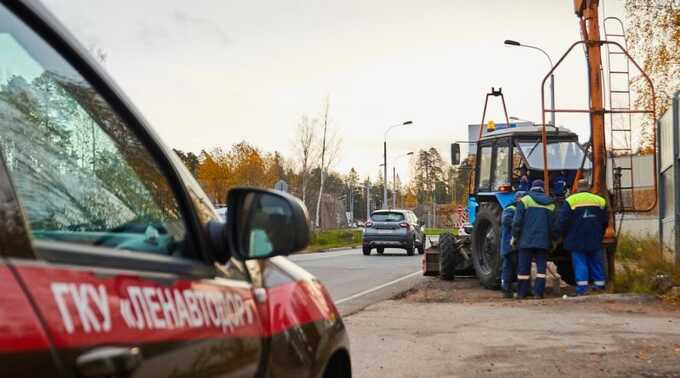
(458, 329)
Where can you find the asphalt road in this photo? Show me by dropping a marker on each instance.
(356, 281)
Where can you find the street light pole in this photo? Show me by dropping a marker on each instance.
(368, 200)
(394, 186)
(510, 42)
(384, 204)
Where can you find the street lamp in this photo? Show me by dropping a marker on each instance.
(385, 157)
(510, 42)
(394, 178)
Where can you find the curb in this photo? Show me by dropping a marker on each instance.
(330, 250)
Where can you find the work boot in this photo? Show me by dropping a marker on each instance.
(507, 294)
(537, 296)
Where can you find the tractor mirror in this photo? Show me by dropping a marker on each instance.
(455, 153)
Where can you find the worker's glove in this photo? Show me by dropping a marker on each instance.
(513, 243)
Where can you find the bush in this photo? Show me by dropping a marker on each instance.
(439, 231)
(642, 266)
(324, 239)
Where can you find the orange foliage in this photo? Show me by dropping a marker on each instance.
(242, 165)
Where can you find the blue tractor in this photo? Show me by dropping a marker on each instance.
(507, 157)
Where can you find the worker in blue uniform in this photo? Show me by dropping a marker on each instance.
(533, 229)
(583, 220)
(508, 254)
(559, 184)
(524, 184)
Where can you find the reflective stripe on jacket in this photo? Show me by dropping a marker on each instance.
(506, 229)
(534, 222)
(583, 220)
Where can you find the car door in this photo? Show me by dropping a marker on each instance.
(25, 349)
(108, 246)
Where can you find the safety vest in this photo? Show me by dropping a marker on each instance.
(584, 199)
(511, 207)
(529, 202)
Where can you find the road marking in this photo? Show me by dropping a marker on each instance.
(362, 293)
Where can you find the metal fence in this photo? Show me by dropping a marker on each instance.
(668, 175)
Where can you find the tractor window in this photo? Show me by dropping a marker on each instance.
(564, 155)
(517, 164)
(485, 168)
(501, 175)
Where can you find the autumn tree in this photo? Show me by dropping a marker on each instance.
(214, 174)
(249, 167)
(653, 38)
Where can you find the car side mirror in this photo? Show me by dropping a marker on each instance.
(455, 153)
(421, 222)
(263, 223)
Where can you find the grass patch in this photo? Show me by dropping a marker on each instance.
(438, 231)
(643, 267)
(326, 239)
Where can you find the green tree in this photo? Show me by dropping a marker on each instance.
(190, 160)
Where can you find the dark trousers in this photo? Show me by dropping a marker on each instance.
(524, 271)
(509, 270)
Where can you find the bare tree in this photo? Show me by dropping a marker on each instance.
(330, 150)
(305, 148)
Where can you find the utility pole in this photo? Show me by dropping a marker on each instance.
(394, 187)
(317, 219)
(385, 170)
(351, 203)
(368, 199)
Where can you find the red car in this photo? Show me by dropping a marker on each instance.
(113, 262)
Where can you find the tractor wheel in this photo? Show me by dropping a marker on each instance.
(486, 256)
(465, 266)
(366, 251)
(412, 247)
(448, 256)
(380, 250)
(421, 247)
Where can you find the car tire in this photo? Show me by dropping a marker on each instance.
(448, 256)
(380, 250)
(421, 247)
(366, 250)
(486, 235)
(411, 248)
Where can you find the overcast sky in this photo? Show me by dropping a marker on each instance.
(212, 73)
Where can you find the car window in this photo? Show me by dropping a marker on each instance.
(485, 168)
(79, 171)
(387, 217)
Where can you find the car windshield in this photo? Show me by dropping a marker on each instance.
(561, 155)
(387, 217)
